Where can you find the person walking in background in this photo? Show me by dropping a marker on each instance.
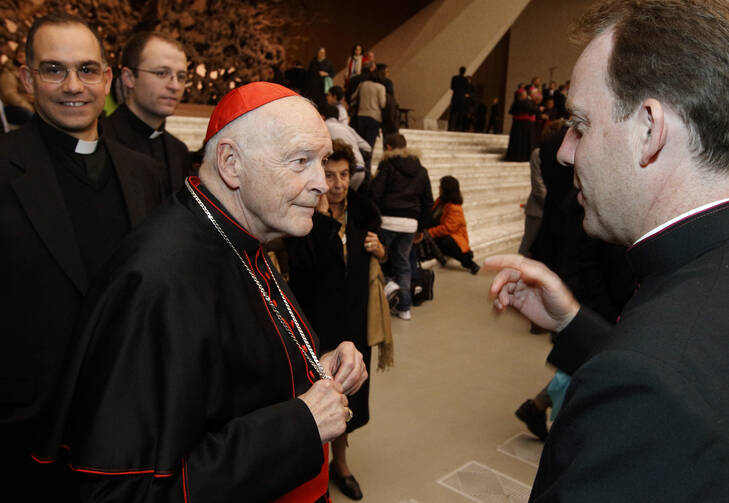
(450, 234)
(401, 189)
(354, 64)
(460, 88)
(372, 98)
(319, 70)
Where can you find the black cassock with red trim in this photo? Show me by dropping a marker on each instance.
(185, 380)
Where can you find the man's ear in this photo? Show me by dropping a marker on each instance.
(26, 77)
(127, 77)
(108, 77)
(228, 162)
(653, 124)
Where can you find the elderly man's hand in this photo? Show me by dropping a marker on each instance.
(531, 288)
(346, 365)
(329, 407)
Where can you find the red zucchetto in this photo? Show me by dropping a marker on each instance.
(242, 100)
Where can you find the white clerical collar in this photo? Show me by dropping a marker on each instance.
(86, 147)
(680, 217)
(156, 133)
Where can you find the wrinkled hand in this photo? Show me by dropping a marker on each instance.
(346, 366)
(532, 289)
(329, 407)
(372, 245)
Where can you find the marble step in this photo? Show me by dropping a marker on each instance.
(497, 239)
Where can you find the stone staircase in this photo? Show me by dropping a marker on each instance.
(493, 190)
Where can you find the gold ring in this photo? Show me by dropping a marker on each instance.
(350, 414)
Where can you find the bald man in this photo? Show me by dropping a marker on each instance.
(199, 380)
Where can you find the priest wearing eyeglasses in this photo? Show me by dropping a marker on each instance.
(154, 73)
(197, 378)
(67, 197)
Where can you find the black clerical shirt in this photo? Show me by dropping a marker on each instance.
(145, 139)
(91, 192)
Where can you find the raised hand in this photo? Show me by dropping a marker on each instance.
(531, 288)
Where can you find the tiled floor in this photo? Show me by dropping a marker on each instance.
(460, 373)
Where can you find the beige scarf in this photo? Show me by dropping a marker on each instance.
(379, 331)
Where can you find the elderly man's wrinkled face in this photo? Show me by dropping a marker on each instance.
(283, 177)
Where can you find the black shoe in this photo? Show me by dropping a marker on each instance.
(474, 268)
(347, 485)
(535, 419)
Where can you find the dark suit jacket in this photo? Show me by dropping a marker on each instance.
(118, 126)
(646, 415)
(44, 279)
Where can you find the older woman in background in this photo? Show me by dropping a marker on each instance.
(450, 233)
(329, 273)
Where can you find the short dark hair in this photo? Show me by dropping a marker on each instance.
(59, 18)
(132, 51)
(342, 150)
(450, 190)
(329, 111)
(462, 70)
(379, 74)
(337, 92)
(676, 52)
(395, 140)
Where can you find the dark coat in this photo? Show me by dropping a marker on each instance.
(460, 87)
(45, 279)
(333, 294)
(185, 382)
(523, 136)
(645, 417)
(129, 130)
(401, 187)
(316, 81)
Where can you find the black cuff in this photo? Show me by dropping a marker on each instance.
(578, 341)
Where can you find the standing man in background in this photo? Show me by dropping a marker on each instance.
(154, 73)
(460, 87)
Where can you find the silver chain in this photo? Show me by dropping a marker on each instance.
(309, 353)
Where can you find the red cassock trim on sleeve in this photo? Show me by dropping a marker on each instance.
(121, 471)
(43, 461)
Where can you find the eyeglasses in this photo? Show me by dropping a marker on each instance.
(55, 73)
(165, 74)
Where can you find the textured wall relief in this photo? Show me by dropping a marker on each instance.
(228, 42)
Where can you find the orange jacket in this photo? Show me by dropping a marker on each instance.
(453, 224)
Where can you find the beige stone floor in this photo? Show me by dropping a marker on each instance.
(460, 372)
